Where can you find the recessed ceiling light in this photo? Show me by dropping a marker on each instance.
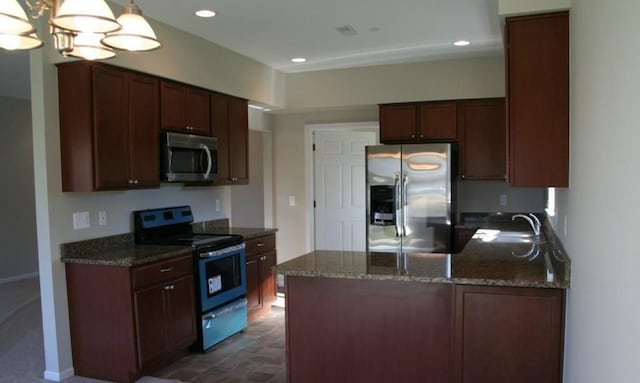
(298, 59)
(461, 43)
(205, 13)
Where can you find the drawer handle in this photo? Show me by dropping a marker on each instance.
(260, 244)
(166, 270)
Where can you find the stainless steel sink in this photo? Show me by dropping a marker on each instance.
(499, 236)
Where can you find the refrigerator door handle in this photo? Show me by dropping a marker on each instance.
(405, 199)
(398, 207)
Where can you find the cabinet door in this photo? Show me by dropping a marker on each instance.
(111, 152)
(220, 130)
(198, 113)
(238, 140)
(438, 121)
(505, 335)
(173, 106)
(482, 140)
(144, 108)
(253, 285)
(150, 323)
(397, 123)
(267, 280)
(537, 68)
(181, 313)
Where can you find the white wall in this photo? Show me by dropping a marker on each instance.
(521, 7)
(603, 326)
(422, 81)
(18, 254)
(247, 201)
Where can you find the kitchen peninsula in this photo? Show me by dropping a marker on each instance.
(492, 312)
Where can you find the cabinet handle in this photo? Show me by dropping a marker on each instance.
(130, 182)
(422, 136)
(169, 287)
(260, 244)
(135, 182)
(166, 270)
(413, 136)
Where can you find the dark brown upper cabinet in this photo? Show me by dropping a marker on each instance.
(537, 79)
(108, 128)
(230, 125)
(185, 109)
(418, 122)
(482, 139)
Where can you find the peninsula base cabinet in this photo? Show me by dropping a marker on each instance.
(130, 321)
(350, 330)
(506, 335)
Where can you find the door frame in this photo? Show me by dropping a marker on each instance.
(309, 130)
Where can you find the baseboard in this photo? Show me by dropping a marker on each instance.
(59, 376)
(19, 278)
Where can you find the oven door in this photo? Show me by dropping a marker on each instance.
(221, 276)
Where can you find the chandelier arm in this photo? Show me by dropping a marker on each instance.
(39, 7)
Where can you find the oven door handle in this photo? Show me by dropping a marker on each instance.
(224, 252)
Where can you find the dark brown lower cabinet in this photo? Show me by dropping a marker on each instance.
(350, 330)
(346, 330)
(507, 335)
(130, 321)
(261, 284)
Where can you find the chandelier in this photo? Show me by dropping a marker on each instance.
(84, 29)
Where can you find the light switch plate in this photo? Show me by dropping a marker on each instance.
(102, 218)
(503, 200)
(81, 220)
(292, 200)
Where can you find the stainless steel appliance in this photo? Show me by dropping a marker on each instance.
(410, 204)
(188, 158)
(219, 269)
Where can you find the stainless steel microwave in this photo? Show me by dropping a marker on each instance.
(188, 158)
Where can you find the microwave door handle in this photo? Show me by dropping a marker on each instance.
(170, 164)
(209, 161)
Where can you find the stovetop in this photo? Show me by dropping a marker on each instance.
(172, 226)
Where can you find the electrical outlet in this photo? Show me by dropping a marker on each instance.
(503, 200)
(81, 220)
(217, 205)
(292, 200)
(102, 218)
(565, 226)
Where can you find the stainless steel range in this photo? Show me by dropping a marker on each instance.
(219, 268)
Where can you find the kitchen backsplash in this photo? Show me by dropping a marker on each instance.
(498, 196)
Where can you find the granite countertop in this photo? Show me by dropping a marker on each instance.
(480, 262)
(121, 250)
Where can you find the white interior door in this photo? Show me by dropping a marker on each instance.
(339, 189)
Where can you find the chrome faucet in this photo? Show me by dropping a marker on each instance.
(533, 221)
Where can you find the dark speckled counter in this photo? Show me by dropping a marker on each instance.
(120, 250)
(480, 262)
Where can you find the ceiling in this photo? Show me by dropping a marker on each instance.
(274, 31)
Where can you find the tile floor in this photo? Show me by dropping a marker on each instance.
(256, 355)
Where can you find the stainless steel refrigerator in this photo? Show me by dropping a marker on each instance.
(410, 198)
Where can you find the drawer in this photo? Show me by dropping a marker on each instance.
(162, 271)
(260, 245)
